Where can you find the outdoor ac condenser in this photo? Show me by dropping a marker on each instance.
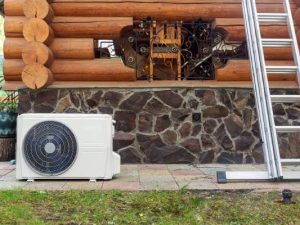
(65, 146)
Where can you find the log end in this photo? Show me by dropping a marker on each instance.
(36, 76)
(38, 9)
(37, 30)
(36, 52)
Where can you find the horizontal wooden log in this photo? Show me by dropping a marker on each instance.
(163, 9)
(38, 30)
(73, 48)
(95, 27)
(12, 48)
(92, 70)
(158, 11)
(62, 48)
(296, 15)
(40, 9)
(239, 70)
(77, 70)
(12, 69)
(278, 53)
(235, 29)
(36, 76)
(37, 52)
(71, 27)
(13, 26)
(13, 7)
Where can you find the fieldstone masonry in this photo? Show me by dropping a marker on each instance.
(175, 125)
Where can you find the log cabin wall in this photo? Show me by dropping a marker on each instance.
(67, 34)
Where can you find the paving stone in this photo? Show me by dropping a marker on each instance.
(12, 185)
(187, 178)
(4, 165)
(195, 183)
(121, 185)
(152, 166)
(45, 185)
(202, 185)
(4, 172)
(179, 167)
(149, 172)
(128, 176)
(211, 165)
(160, 186)
(157, 178)
(194, 172)
(243, 167)
(129, 167)
(211, 171)
(83, 185)
(9, 177)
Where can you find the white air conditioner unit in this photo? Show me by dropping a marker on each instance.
(65, 146)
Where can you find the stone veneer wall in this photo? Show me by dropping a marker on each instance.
(174, 125)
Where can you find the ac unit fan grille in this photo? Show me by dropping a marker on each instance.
(50, 148)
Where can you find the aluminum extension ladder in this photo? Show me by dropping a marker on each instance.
(264, 99)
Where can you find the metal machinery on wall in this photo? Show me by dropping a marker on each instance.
(176, 50)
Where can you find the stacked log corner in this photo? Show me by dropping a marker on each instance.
(38, 34)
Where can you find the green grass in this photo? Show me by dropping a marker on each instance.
(165, 208)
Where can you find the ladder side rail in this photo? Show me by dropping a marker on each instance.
(295, 46)
(255, 72)
(267, 97)
(258, 90)
(260, 64)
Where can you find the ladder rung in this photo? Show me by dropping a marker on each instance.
(281, 69)
(277, 43)
(272, 17)
(287, 129)
(290, 161)
(285, 98)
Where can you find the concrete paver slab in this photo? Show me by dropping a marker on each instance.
(160, 186)
(7, 185)
(3, 172)
(82, 185)
(121, 185)
(56, 185)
